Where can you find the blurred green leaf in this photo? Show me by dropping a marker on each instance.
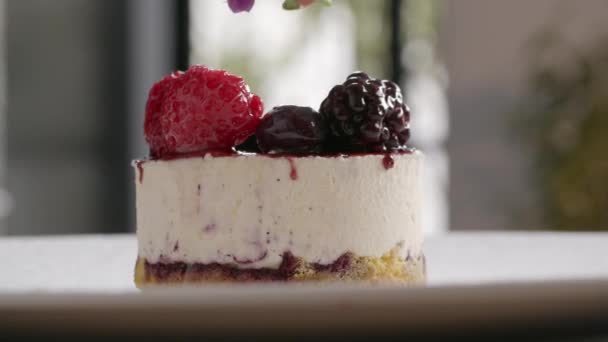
(564, 124)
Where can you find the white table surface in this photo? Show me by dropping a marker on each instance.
(104, 263)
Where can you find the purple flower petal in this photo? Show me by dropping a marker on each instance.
(237, 6)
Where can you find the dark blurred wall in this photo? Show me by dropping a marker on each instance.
(66, 117)
(153, 52)
(486, 47)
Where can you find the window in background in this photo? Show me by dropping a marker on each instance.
(6, 200)
(286, 57)
(425, 86)
(78, 77)
(66, 117)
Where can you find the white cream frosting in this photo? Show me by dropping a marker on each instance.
(248, 210)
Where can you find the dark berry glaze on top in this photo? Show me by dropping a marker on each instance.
(140, 169)
(293, 172)
(388, 162)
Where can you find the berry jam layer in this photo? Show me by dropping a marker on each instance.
(348, 267)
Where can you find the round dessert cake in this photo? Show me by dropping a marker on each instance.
(231, 195)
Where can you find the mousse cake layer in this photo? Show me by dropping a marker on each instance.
(247, 210)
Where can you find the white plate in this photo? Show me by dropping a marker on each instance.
(548, 308)
(517, 283)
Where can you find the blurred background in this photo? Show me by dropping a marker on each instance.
(509, 99)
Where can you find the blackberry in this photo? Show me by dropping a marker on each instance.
(365, 114)
(291, 129)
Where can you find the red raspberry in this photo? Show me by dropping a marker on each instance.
(199, 110)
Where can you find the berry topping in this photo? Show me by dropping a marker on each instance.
(199, 110)
(365, 114)
(237, 6)
(291, 129)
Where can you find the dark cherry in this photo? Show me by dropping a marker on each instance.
(365, 114)
(291, 130)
